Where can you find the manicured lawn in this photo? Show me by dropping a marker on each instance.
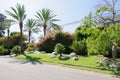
(90, 63)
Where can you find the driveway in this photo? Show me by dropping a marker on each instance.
(11, 69)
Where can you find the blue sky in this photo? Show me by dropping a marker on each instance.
(66, 10)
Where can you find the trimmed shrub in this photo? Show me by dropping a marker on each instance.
(59, 48)
(46, 44)
(79, 47)
(66, 39)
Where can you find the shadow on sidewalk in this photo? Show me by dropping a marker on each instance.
(33, 60)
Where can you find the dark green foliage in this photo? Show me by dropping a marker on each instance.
(59, 48)
(3, 51)
(16, 50)
(30, 49)
(48, 42)
(31, 46)
(79, 47)
(15, 38)
(66, 39)
(80, 35)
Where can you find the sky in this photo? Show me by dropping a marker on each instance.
(66, 10)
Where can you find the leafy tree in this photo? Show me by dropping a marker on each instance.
(107, 11)
(46, 18)
(30, 26)
(89, 21)
(112, 34)
(79, 47)
(18, 13)
(97, 43)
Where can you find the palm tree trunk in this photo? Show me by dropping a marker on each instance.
(21, 40)
(8, 31)
(45, 30)
(29, 35)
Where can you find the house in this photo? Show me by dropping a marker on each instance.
(107, 22)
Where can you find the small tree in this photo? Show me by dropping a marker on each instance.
(59, 48)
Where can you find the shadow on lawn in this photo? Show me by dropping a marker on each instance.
(33, 60)
(116, 73)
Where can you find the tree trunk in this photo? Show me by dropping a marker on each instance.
(60, 54)
(114, 51)
(29, 35)
(8, 31)
(113, 12)
(21, 40)
(45, 29)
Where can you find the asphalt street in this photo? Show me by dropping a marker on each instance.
(11, 69)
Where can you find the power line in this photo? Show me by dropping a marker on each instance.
(71, 23)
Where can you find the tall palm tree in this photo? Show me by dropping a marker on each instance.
(53, 29)
(45, 18)
(30, 26)
(18, 13)
(7, 24)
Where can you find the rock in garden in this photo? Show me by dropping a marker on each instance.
(72, 55)
(37, 52)
(54, 53)
(114, 65)
(75, 58)
(105, 62)
(26, 52)
(13, 55)
(64, 58)
(53, 56)
(42, 52)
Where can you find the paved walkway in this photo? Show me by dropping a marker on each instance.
(11, 69)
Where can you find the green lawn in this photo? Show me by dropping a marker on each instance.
(90, 63)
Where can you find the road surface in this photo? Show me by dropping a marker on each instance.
(11, 69)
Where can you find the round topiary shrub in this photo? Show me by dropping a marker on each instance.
(59, 48)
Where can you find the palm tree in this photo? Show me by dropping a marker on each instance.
(18, 13)
(53, 29)
(7, 24)
(45, 18)
(30, 26)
